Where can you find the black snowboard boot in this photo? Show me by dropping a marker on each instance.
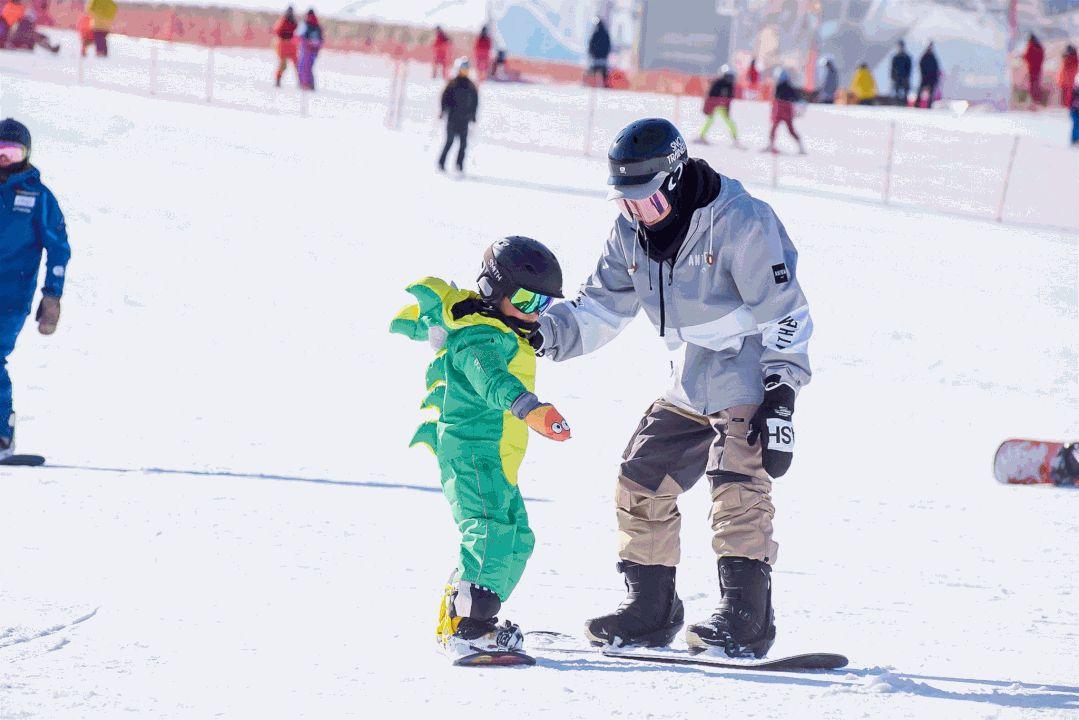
(650, 616)
(743, 625)
(1064, 470)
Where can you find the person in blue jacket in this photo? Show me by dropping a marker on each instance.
(30, 221)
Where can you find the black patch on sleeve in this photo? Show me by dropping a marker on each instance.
(779, 272)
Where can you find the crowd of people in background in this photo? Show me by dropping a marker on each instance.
(863, 87)
(488, 61)
(298, 44)
(1034, 59)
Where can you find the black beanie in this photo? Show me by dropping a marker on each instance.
(13, 131)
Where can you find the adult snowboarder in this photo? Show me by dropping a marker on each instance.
(826, 93)
(440, 54)
(30, 221)
(481, 50)
(902, 66)
(929, 68)
(460, 100)
(1034, 57)
(714, 270)
(599, 49)
(1069, 71)
(285, 43)
(482, 382)
(310, 42)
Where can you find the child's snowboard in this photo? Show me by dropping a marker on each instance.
(23, 460)
(495, 659)
(1030, 462)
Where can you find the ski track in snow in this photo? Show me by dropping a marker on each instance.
(226, 419)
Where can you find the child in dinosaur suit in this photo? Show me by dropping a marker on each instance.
(482, 383)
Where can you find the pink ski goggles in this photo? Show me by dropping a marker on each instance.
(650, 210)
(11, 153)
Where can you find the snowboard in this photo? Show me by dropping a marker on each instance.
(670, 656)
(23, 460)
(790, 663)
(1028, 462)
(495, 659)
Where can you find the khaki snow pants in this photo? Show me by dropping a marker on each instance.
(670, 450)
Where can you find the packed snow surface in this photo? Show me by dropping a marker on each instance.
(232, 526)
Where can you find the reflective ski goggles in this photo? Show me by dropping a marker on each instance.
(11, 153)
(650, 210)
(528, 301)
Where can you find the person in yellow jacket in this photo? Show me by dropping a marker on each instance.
(863, 86)
(482, 383)
(102, 13)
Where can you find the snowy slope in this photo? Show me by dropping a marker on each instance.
(233, 525)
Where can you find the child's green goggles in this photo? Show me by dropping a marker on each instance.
(528, 301)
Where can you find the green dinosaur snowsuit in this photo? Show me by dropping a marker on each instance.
(481, 368)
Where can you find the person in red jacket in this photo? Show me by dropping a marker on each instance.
(10, 16)
(284, 29)
(1034, 57)
(482, 53)
(783, 100)
(85, 27)
(440, 63)
(1069, 68)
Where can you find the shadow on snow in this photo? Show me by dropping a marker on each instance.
(1034, 696)
(260, 476)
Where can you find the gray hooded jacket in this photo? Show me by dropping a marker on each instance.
(731, 303)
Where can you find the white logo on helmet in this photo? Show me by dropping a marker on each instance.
(678, 149)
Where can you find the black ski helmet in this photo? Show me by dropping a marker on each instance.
(516, 262)
(642, 155)
(13, 131)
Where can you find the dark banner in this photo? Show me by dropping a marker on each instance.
(688, 36)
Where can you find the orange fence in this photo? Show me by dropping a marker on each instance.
(224, 27)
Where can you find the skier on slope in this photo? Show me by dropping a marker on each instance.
(718, 104)
(716, 273)
(30, 221)
(786, 95)
(482, 382)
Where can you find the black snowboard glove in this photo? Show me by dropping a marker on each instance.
(772, 424)
(535, 339)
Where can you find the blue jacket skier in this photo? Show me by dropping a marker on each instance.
(30, 222)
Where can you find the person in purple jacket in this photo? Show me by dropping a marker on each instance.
(310, 43)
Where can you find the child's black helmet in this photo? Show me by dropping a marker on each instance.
(519, 262)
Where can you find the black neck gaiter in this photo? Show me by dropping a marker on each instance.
(700, 186)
